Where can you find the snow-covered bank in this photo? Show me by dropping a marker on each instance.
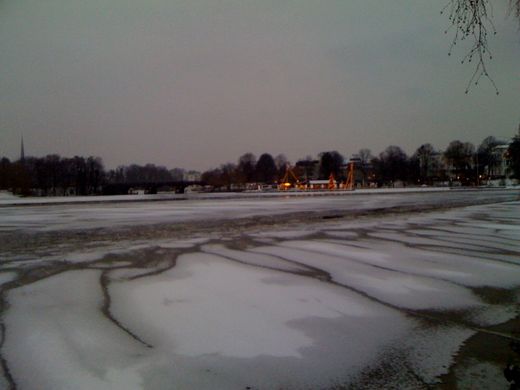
(82, 216)
(11, 200)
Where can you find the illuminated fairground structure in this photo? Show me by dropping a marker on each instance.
(290, 181)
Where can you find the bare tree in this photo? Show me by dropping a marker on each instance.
(265, 169)
(424, 160)
(281, 162)
(365, 156)
(459, 157)
(486, 159)
(330, 163)
(472, 20)
(392, 165)
(246, 167)
(513, 155)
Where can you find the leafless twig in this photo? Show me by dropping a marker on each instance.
(472, 20)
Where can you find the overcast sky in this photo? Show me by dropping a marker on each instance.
(198, 83)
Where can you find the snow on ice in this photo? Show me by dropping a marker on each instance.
(281, 306)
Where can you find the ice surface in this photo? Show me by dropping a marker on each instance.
(431, 351)
(248, 308)
(74, 215)
(483, 239)
(342, 234)
(395, 288)
(182, 244)
(260, 260)
(7, 198)
(284, 234)
(465, 270)
(6, 277)
(481, 375)
(212, 310)
(494, 314)
(56, 337)
(424, 241)
(240, 315)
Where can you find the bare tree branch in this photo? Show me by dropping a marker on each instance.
(472, 20)
(514, 8)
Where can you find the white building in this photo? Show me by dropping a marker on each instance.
(191, 176)
(500, 166)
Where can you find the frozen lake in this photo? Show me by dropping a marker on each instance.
(396, 290)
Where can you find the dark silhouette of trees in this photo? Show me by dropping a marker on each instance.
(177, 174)
(214, 178)
(513, 155)
(139, 174)
(485, 158)
(222, 177)
(229, 174)
(392, 165)
(330, 163)
(308, 168)
(265, 169)
(95, 174)
(424, 164)
(53, 175)
(13, 176)
(5, 173)
(459, 157)
(365, 157)
(281, 162)
(78, 171)
(246, 168)
(21, 179)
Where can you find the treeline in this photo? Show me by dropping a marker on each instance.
(134, 173)
(54, 175)
(248, 169)
(460, 162)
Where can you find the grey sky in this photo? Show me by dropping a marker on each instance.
(198, 83)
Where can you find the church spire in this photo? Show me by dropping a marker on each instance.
(22, 151)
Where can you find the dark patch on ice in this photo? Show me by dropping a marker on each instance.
(105, 309)
(3, 363)
(333, 216)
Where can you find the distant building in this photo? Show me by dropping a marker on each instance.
(177, 174)
(433, 169)
(193, 188)
(308, 169)
(136, 191)
(191, 176)
(364, 175)
(318, 184)
(499, 168)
